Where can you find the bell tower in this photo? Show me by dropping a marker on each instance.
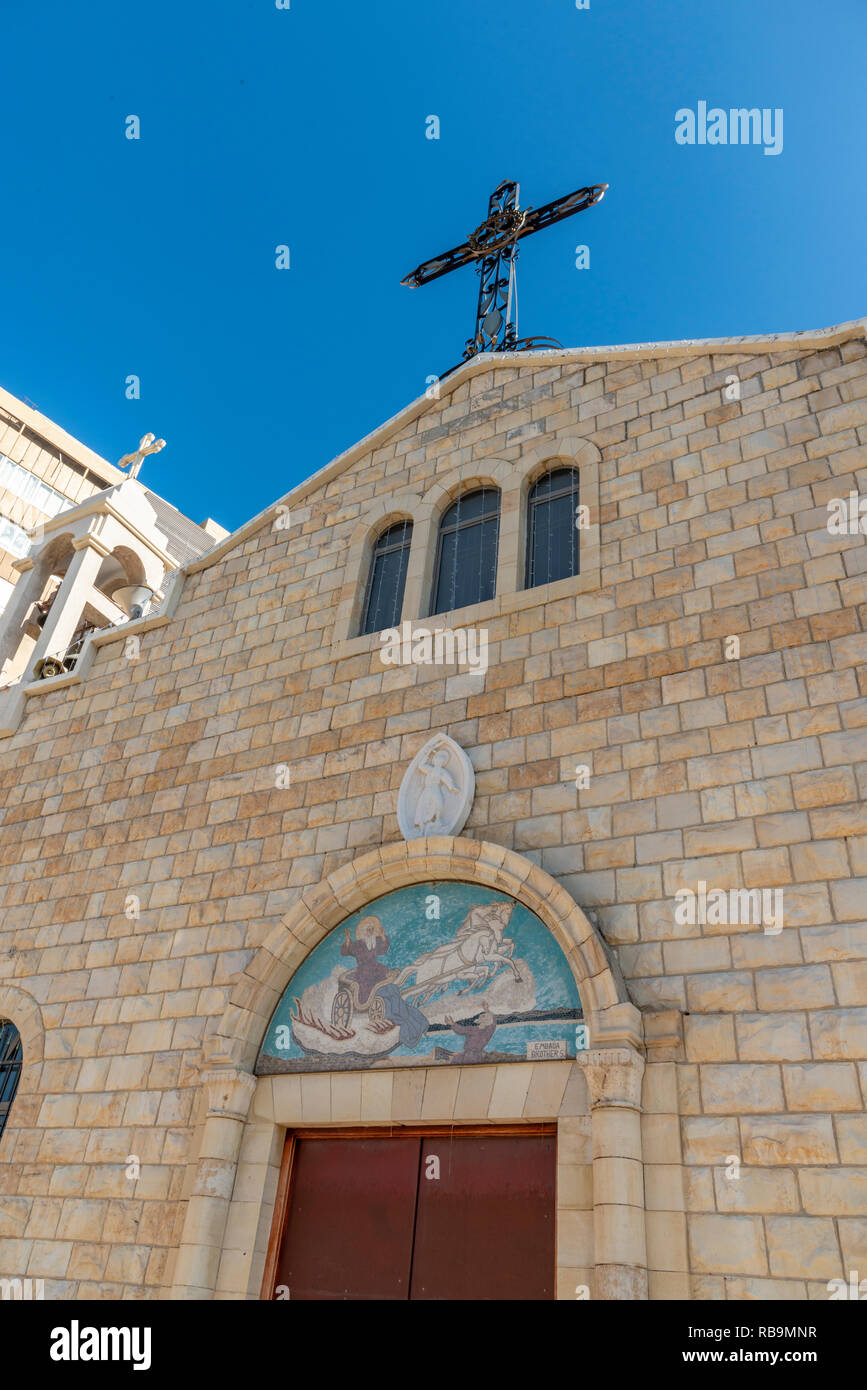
(98, 565)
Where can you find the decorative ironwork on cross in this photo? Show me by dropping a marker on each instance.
(494, 248)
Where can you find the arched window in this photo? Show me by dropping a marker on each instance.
(466, 560)
(387, 579)
(552, 530)
(10, 1068)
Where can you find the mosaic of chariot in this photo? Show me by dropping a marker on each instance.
(432, 974)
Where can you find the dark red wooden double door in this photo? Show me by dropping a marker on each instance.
(424, 1215)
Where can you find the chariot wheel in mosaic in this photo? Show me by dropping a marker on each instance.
(341, 1009)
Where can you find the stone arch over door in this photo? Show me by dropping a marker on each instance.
(612, 1019)
(228, 1220)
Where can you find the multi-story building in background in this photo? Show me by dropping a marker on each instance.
(43, 472)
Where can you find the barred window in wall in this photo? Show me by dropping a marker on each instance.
(10, 1068)
(466, 559)
(386, 582)
(552, 528)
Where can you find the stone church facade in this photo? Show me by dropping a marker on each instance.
(181, 827)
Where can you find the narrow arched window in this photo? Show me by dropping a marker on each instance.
(10, 1068)
(466, 559)
(383, 601)
(552, 528)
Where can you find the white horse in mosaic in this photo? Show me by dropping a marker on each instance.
(476, 954)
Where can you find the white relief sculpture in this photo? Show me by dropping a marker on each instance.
(437, 790)
(431, 811)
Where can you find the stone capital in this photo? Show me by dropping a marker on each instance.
(229, 1091)
(613, 1077)
(91, 542)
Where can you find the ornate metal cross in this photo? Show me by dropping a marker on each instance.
(494, 248)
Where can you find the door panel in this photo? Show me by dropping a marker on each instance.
(485, 1226)
(350, 1219)
(365, 1221)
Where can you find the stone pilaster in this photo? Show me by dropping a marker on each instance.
(620, 1244)
(229, 1091)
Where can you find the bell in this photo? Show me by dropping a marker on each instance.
(133, 599)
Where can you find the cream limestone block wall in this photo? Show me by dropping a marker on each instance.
(157, 870)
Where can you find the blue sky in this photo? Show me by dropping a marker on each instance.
(306, 127)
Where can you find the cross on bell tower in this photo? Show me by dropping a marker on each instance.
(494, 247)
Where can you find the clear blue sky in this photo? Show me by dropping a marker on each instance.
(306, 127)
